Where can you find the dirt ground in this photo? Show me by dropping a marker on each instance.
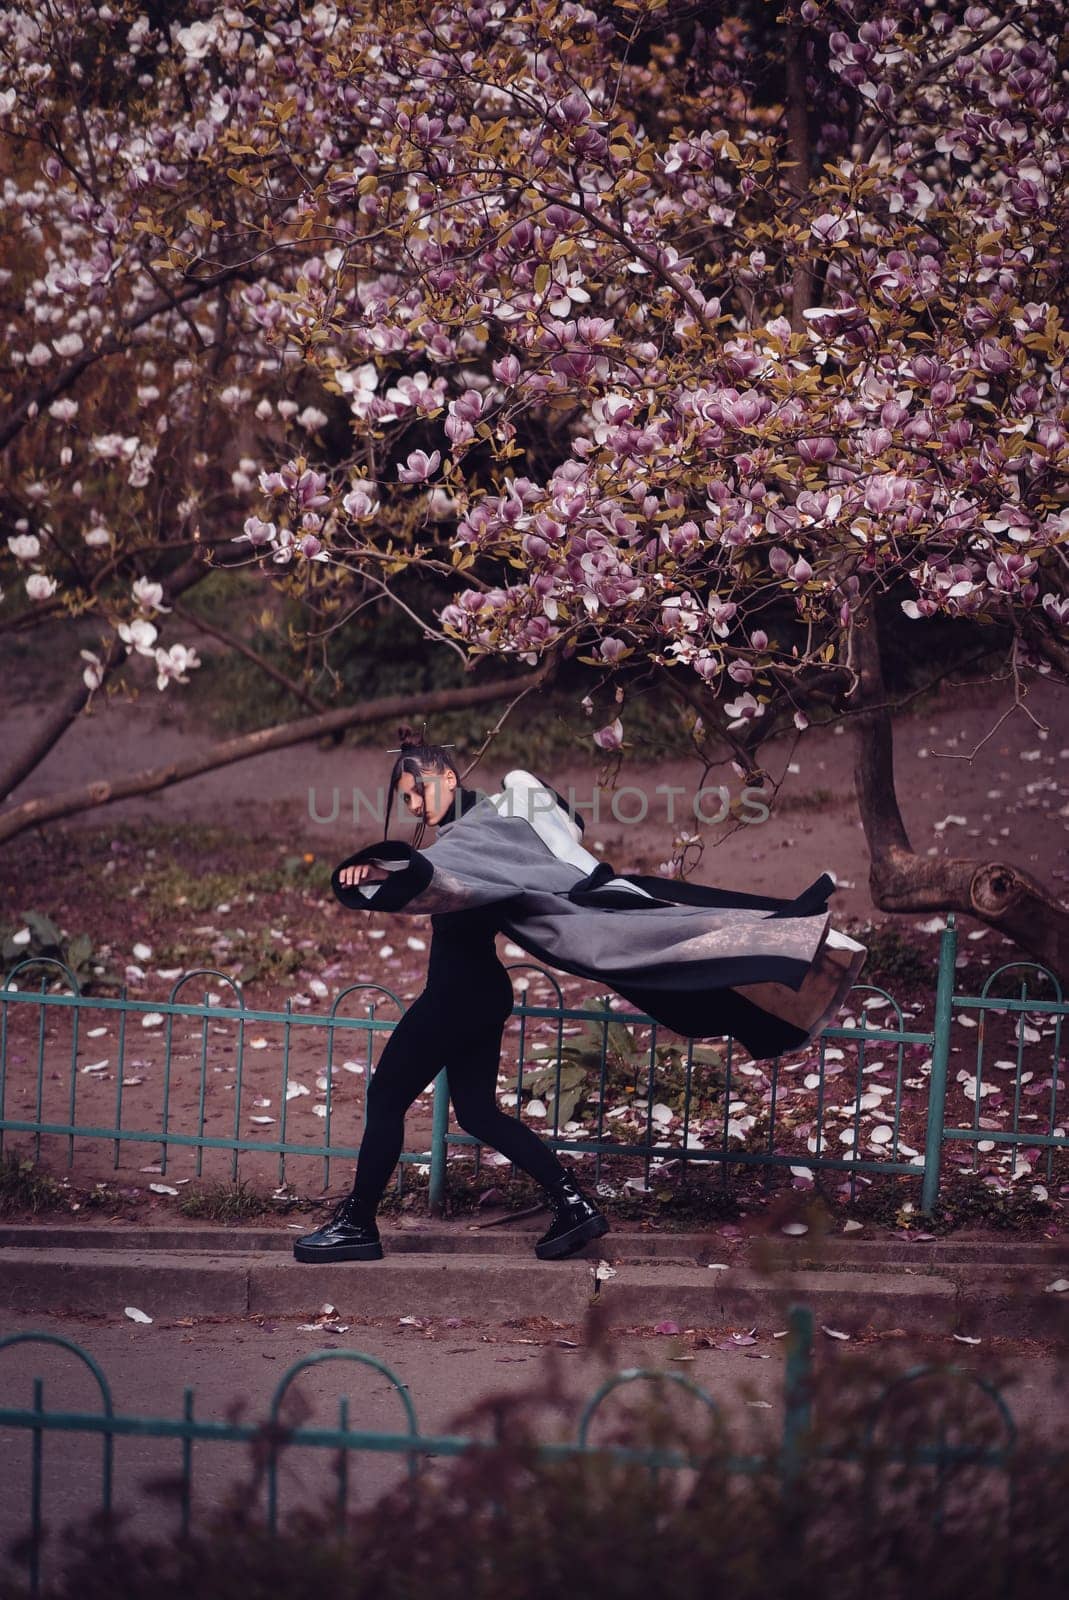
(229, 872)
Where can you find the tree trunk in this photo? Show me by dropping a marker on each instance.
(996, 892)
(57, 720)
(104, 790)
(799, 177)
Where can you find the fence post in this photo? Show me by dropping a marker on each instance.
(439, 1128)
(937, 1083)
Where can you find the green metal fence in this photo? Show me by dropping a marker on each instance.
(754, 1123)
(1028, 1012)
(272, 1438)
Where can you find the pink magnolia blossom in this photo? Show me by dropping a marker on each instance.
(747, 708)
(488, 241)
(257, 531)
(419, 466)
(611, 737)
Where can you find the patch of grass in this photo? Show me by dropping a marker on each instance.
(136, 838)
(681, 1204)
(807, 800)
(380, 654)
(172, 884)
(894, 958)
(464, 1190)
(218, 1201)
(263, 958)
(235, 697)
(626, 1073)
(24, 1187)
(965, 1200)
(228, 691)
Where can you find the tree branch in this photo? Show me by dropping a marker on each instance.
(239, 646)
(103, 790)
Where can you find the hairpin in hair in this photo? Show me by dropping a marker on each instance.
(415, 746)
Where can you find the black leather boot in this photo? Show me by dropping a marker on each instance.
(344, 1238)
(576, 1220)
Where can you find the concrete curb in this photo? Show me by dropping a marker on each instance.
(848, 1301)
(199, 1284)
(102, 1280)
(693, 1248)
(982, 1299)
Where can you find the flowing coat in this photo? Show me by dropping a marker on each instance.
(702, 961)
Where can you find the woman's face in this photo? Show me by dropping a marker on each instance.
(437, 796)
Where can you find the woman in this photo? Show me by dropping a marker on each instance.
(701, 960)
(457, 1022)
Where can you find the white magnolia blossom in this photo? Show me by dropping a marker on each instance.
(24, 546)
(175, 663)
(39, 356)
(39, 586)
(93, 674)
(138, 635)
(71, 344)
(96, 535)
(360, 385)
(196, 40)
(611, 737)
(312, 418)
(141, 466)
(149, 595)
(360, 501)
(283, 551)
(63, 410)
(440, 504)
(113, 446)
(234, 396)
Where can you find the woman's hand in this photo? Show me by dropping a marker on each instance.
(349, 876)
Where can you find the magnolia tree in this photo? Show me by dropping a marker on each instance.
(688, 340)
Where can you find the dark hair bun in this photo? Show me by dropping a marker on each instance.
(406, 737)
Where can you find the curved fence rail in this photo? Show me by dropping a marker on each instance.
(274, 1440)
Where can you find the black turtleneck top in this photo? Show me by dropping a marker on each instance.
(467, 799)
(461, 940)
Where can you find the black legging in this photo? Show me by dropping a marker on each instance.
(456, 1023)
